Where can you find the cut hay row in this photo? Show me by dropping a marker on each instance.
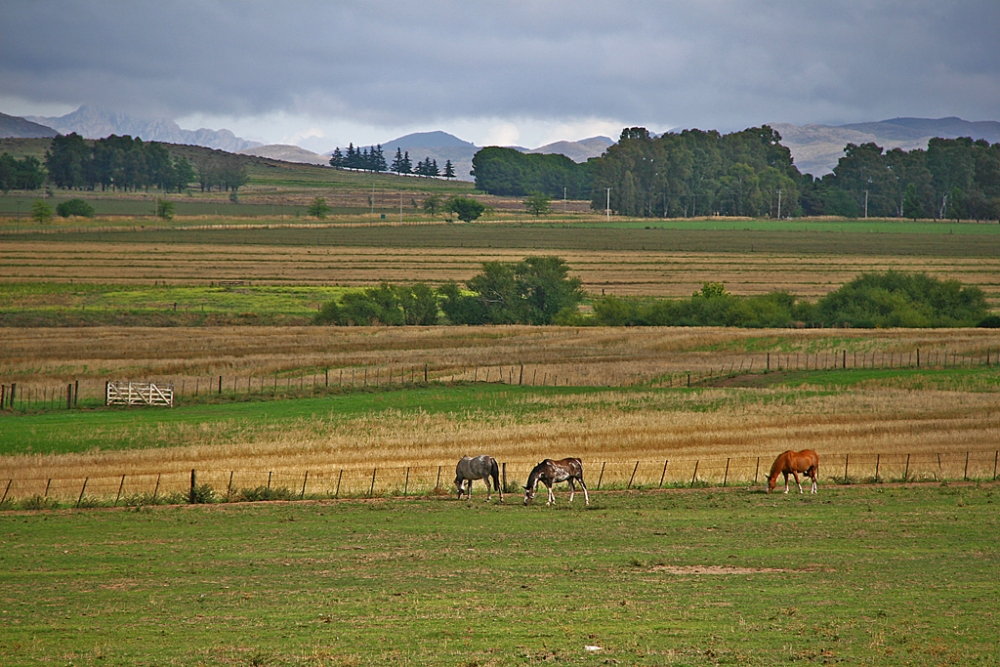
(587, 356)
(635, 273)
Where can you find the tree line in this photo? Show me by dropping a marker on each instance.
(751, 173)
(24, 174)
(127, 163)
(373, 159)
(539, 290)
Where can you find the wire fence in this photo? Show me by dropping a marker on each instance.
(29, 397)
(198, 486)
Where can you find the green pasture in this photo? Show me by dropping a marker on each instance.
(859, 575)
(544, 237)
(846, 225)
(238, 417)
(41, 303)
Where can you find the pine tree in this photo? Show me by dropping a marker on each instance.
(449, 169)
(378, 159)
(337, 159)
(407, 164)
(397, 162)
(432, 168)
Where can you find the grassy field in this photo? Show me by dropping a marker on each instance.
(888, 576)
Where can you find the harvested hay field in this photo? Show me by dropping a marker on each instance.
(619, 272)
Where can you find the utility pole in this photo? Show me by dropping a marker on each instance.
(779, 203)
(564, 200)
(400, 207)
(607, 207)
(866, 204)
(373, 198)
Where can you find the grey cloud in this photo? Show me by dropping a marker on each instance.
(720, 63)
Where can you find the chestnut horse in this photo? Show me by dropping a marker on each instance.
(548, 472)
(793, 463)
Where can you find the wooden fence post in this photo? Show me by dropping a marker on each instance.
(120, 487)
(601, 478)
(80, 499)
(437, 484)
(695, 475)
(9, 482)
(767, 367)
(69, 396)
(918, 357)
(664, 473)
(156, 489)
(725, 477)
(520, 377)
(504, 469)
(269, 473)
(996, 456)
(878, 460)
(371, 491)
(220, 385)
(965, 475)
(191, 496)
(425, 373)
(406, 484)
(847, 458)
(756, 471)
(632, 478)
(336, 494)
(906, 471)
(229, 488)
(304, 481)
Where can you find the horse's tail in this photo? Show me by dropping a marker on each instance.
(495, 473)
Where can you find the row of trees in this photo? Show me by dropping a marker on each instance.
(124, 163)
(890, 299)
(539, 290)
(750, 173)
(952, 178)
(692, 173)
(24, 174)
(119, 163)
(373, 160)
(533, 291)
(509, 172)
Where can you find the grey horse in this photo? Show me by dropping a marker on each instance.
(482, 467)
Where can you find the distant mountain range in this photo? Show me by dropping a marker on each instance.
(94, 123)
(15, 126)
(439, 146)
(816, 148)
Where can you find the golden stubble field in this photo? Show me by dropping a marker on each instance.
(619, 272)
(895, 426)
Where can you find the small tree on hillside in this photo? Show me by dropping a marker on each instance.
(449, 169)
(41, 212)
(466, 209)
(318, 208)
(538, 204)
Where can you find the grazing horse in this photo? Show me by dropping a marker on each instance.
(793, 463)
(548, 472)
(471, 468)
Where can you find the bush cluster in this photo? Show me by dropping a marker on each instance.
(890, 299)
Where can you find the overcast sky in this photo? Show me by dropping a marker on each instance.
(320, 73)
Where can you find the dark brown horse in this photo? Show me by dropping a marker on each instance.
(548, 472)
(793, 463)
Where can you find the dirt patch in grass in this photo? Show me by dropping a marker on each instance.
(717, 569)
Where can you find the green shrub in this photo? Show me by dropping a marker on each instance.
(263, 493)
(38, 502)
(77, 207)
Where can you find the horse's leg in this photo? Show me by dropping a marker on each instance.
(797, 482)
(786, 481)
(496, 483)
(489, 489)
(572, 489)
(814, 487)
(552, 496)
(586, 496)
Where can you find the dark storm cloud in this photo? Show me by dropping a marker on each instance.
(722, 63)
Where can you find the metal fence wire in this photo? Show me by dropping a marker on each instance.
(400, 481)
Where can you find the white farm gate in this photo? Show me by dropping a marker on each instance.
(139, 393)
